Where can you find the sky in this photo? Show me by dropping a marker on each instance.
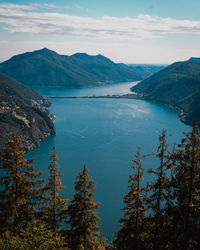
(128, 31)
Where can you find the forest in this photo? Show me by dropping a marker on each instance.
(162, 214)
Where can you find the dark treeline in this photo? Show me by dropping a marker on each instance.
(163, 214)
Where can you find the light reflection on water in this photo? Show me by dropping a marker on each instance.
(104, 134)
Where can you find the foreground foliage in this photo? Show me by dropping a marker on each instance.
(163, 214)
(82, 217)
(20, 187)
(34, 236)
(54, 206)
(172, 218)
(132, 233)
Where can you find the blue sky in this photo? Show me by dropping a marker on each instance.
(130, 31)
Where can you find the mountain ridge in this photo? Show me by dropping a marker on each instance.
(176, 86)
(47, 68)
(194, 59)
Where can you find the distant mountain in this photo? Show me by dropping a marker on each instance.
(176, 86)
(23, 110)
(147, 70)
(194, 59)
(46, 68)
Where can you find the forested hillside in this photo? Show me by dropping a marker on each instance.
(176, 86)
(46, 68)
(23, 110)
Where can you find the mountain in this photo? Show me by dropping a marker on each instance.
(23, 110)
(147, 70)
(194, 59)
(176, 86)
(46, 68)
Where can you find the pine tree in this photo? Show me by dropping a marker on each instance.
(82, 217)
(20, 186)
(186, 183)
(54, 205)
(132, 234)
(160, 195)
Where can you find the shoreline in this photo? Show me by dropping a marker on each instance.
(138, 96)
(129, 96)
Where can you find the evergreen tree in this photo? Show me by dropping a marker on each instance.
(160, 196)
(82, 217)
(186, 183)
(196, 202)
(20, 186)
(54, 205)
(132, 234)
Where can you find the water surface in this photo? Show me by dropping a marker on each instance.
(106, 89)
(104, 134)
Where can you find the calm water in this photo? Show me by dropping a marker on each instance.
(106, 89)
(104, 134)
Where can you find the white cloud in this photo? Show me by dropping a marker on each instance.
(15, 6)
(25, 19)
(32, 6)
(48, 6)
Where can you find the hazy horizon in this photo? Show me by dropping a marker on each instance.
(130, 63)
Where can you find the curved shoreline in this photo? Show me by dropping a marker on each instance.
(139, 96)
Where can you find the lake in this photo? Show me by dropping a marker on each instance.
(104, 134)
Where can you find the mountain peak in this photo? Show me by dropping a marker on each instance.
(85, 55)
(45, 67)
(100, 55)
(81, 55)
(194, 59)
(44, 51)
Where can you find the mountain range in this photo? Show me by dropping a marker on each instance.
(146, 70)
(23, 110)
(46, 68)
(176, 86)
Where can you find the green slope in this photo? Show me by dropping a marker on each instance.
(23, 110)
(46, 68)
(177, 86)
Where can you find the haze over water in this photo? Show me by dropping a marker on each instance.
(104, 134)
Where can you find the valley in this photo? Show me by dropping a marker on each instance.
(104, 134)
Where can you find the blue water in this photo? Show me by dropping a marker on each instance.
(104, 134)
(106, 89)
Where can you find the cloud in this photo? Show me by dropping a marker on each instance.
(32, 6)
(16, 6)
(48, 6)
(25, 19)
